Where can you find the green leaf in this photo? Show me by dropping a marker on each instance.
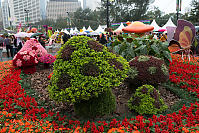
(140, 48)
(155, 49)
(167, 55)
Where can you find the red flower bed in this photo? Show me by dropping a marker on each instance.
(13, 99)
(185, 75)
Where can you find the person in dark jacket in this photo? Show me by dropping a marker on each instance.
(14, 44)
(9, 48)
(41, 41)
(103, 40)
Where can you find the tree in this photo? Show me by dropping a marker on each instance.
(86, 17)
(194, 14)
(124, 10)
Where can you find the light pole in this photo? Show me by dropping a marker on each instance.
(69, 19)
(27, 11)
(107, 13)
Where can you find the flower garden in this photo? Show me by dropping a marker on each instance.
(136, 85)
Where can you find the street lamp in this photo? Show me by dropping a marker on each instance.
(69, 19)
(107, 13)
(27, 11)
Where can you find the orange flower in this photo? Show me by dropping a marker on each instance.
(3, 130)
(185, 130)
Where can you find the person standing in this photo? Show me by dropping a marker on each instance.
(9, 48)
(41, 41)
(19, 44)
(14, 44)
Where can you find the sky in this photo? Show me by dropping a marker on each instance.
(169, 6)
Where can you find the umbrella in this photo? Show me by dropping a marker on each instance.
(23, 34)
(36, 34)
(162, 30)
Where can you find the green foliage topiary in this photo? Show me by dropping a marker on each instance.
(84, 69)
(147, 70)
(146, 100)
(104, 104)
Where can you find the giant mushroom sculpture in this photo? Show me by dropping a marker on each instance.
(137, 27)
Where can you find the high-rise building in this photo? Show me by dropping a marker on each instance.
(92, 4)
(23, 11)
(5, 14)
(60, 8)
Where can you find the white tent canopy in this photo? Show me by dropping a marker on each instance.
(169, 23)
(71, 31)
(99, 30)
(89, 29)
(155, 25)
(65, 31)
(76, 30)
(119, 29)
(84, 29)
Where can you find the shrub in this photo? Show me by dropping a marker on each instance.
(146, 100)
(147, 70)
(85, 70)
(47, 58)
(106, 104)
(130, 46)
(89, 70)
(25, 59)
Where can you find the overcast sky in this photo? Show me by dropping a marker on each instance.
(169, 6)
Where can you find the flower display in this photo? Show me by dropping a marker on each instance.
(48, 58)
(20, 112)
(35, 47)
(25, 59)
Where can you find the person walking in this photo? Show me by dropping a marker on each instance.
(14, 44)
(9, 48)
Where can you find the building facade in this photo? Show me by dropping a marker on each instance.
(92, 4)
(5, 13)
(61, 8)
(23, 11)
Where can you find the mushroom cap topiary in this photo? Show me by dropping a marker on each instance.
(146, 100)
(84, 69)
(147, 70)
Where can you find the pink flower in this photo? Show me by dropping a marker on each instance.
(32, 53)
(36, 61)
(19, 63)
(26, 57)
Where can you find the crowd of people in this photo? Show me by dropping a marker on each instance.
(13, 44)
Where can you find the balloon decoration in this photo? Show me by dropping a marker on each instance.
(137, 27)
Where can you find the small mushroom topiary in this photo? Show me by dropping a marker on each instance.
(147, 70)
(146, 100)
(85, 70)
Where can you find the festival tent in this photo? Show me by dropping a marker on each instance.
(76, 30)
(99, 30)
(169, 23)
(65, 31)
(71, 31)
(119, 29)
(84, 29)
(94, 33)
(89, 29)
(155, 25)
